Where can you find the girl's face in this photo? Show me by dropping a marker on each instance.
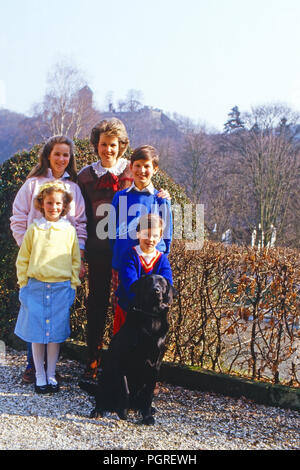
(108, 150)
(59, 159)
(149, 238)
(53, 206)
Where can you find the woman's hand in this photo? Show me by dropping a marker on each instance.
(164, 194)
(82, 271)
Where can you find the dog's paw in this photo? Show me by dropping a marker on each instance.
(123, 414)
(98, 414)
(148, 420)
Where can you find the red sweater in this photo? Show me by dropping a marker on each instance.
(98, 190)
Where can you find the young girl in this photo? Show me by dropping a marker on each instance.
(142, 259)
(48, 266)
(56, 161)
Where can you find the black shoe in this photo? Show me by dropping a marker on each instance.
(41, 389)
(53, 388)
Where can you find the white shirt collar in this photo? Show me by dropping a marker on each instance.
(117, 169)
(149, 189)
(45, 224)
(64, 176)
(147, 256)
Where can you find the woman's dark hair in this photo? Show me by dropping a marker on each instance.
(43, 165)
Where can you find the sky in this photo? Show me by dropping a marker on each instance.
(196, 58)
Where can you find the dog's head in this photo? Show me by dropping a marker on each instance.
(153, 293)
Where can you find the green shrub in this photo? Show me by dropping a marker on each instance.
(13, 173)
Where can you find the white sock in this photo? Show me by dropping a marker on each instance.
(38, 353)
(52, 357)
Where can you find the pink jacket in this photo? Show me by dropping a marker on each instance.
(24, 211)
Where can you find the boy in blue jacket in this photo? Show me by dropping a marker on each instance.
(139, 260)
(130, 204)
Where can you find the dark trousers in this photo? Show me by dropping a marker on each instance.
(99, 279)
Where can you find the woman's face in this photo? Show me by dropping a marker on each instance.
(108, 150)
(59, 159)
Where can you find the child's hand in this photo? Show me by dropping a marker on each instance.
(164, 194)
(82, 270)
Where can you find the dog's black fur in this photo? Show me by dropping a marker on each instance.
(131, 364)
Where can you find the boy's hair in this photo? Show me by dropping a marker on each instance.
(50, 188)
(149, 221)
(113, 127)
(145, 152)
(43, 165)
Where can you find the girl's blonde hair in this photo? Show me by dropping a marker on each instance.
(43, 164)
(50, 188)
(113, 127)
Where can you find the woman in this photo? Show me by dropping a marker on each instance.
(99, 182)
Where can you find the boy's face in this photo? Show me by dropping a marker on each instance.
(108, 150)
(149, 238)
(53, 206)
(142, 172)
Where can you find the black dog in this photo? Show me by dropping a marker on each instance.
(131, 364)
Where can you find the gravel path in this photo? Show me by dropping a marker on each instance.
(185, 420)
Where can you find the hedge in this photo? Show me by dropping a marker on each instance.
(13, 173)
(237, 309)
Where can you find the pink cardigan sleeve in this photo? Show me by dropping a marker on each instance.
(21, 209)
(79, 219)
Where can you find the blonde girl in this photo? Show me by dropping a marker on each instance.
(48, 266)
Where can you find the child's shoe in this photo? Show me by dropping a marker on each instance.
(28, 376)
(41, 389)
(91, 370)
(53, 385)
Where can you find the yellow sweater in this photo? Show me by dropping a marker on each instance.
(49, 253)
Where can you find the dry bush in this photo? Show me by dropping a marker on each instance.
(237, 310)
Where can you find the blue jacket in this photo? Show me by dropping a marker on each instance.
(127, 208)
(132, 269)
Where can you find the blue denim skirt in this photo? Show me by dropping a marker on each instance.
(44, 315)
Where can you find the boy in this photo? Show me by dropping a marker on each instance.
(139, 199)
(130, 204)
(139, 260)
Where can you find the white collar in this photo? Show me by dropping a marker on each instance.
(45, 224)
(148, 189)
(147, 256)
(64, 176)
(116, 170)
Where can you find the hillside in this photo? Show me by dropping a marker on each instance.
(145, 126)
(13, 136)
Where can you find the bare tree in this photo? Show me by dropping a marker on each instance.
(264, 157)
(195, 162)
(134, 100)
(67, 108)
